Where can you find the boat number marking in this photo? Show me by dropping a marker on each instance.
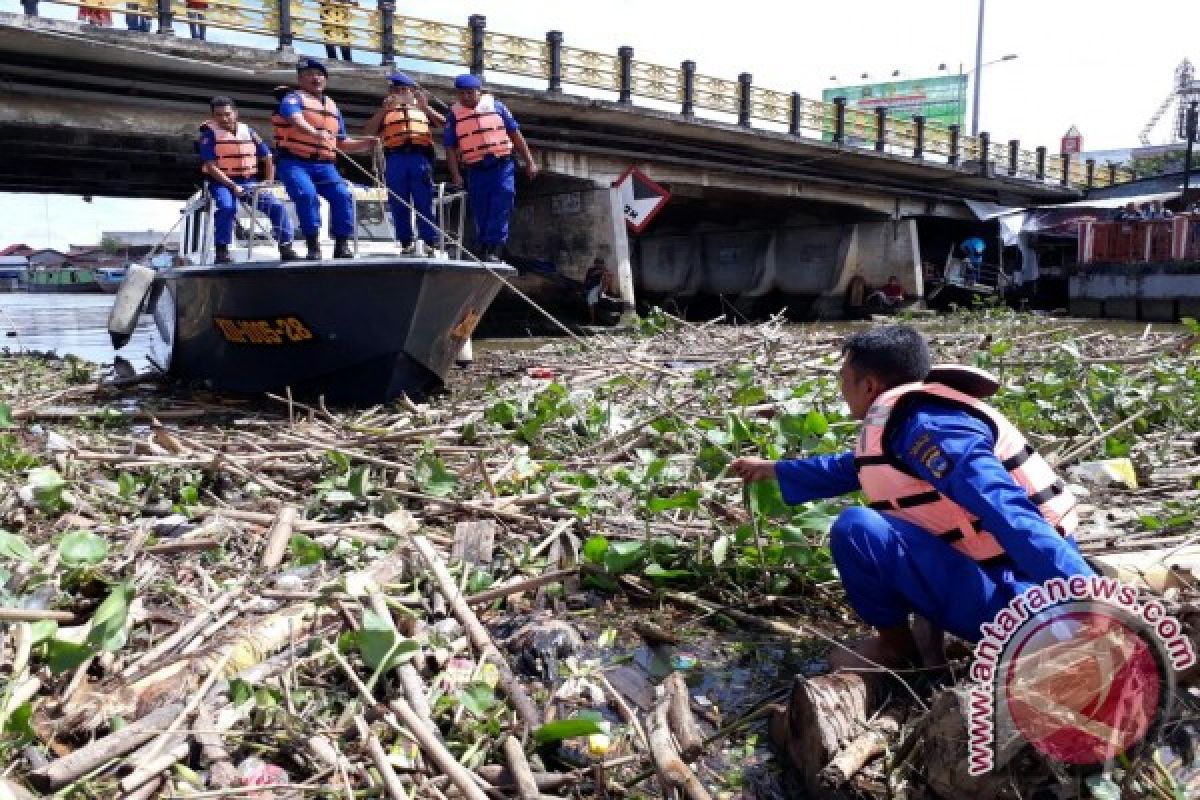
(466, 325)
(282, 330)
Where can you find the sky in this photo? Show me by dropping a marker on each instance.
(1102, 66)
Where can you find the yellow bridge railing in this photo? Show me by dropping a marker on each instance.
(377, 28)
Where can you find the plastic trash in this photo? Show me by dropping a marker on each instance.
(256, 772)
(540, 373)
(683, 661)
(1109, 472)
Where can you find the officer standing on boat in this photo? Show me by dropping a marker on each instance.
(963, 515)
(404, 125)
(309, 132)
(232, 152)
(479, 138)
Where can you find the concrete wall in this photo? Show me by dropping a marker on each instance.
(1154, 294)
(874, 251)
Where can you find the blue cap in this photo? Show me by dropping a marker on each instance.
(311, 63)
(400, 79)
(467, 82)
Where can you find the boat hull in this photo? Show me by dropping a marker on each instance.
(356, 332)
(946, 296)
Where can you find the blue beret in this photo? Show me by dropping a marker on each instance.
(400, 79)
(311, 63)
(467, 82)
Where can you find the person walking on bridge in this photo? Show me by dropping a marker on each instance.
(480, 137)
(404, 124)
(962, 517)
(232, 153)
(309, 132)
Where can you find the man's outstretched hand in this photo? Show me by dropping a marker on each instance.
(754, 469)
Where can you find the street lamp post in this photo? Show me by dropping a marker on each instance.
(978, 72)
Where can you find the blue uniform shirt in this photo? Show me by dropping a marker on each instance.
(291, 105)
(968, 473)
(207, 144)
(450, 138)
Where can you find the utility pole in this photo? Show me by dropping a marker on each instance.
(978, 72)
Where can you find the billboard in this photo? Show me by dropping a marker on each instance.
(942, 100)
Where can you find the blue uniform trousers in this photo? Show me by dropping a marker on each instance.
(491, 188)
(304, 181)
(225, 212)
(409, 176)
(891, 568)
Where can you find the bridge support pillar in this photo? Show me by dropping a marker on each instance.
(387, 32)
(1066, 169)
(621, 261)
(1041, 163)
(873, 251)
(953, 157)
(745, 106)
(478, 25)
(880, 129)
(795, 118)
(1091, 172)
(985, 152)
(688, 108)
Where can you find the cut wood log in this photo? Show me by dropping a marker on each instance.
(518, 586)
(479, 636)
(672, 770)
(823, 716)
(69, 768)
(281, 533)
(679, 716)
(871, 744)
(501, 778)
(474, 542)
(514, 754)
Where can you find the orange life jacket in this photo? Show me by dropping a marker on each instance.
(405, 124)
(237, 153)
(890, 485)
(322, 114)
(480, 131)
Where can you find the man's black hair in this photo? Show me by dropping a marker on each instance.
(895, 354)
(221, 101)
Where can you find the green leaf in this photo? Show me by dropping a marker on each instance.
(567, 729)
(749, 395)
(432, 477)
(43, 629)
(47, 486)
(126, 485)
(766, 500)
(658, 571)
(720, 550)
(304, 550)
(623, 556)
(689, 500)
(358, 483)
(477, 698)
(64, 656)
(380, 645)
(339, 460)
(239, 691)
(504, 413)
(189, 495)
(108, 623)
(595, 548)
(815, 423)
(13, 546)
(82, 548)
(6, 417)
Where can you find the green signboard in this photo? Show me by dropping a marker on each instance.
(942, 100)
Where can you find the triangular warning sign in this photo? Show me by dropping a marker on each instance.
(641, 198)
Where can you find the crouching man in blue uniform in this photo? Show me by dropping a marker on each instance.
(963, 515)
(232, 153)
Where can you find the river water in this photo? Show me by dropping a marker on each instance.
(68, 324)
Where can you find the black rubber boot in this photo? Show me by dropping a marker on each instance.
(222, 256)
(341, 249)
(314, 248)
(286, 253)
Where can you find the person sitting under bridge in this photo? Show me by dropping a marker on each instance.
(889, 296)
(309, 131)
(232, 152)
(480, 137)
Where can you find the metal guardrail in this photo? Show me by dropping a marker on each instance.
(381, 30)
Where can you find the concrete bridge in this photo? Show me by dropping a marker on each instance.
(771, 193)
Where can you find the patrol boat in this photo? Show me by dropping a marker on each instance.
(356, 331)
